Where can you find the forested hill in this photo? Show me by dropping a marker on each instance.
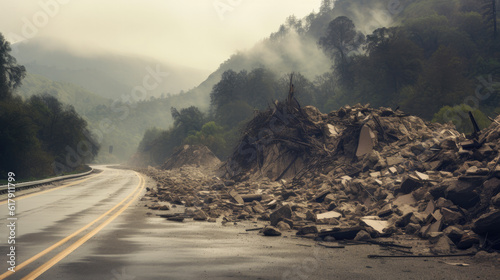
(106, 74)
(39, 136)
(67, 93)
(113, 122)
(433, 58)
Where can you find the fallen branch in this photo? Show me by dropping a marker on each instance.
(254, 229)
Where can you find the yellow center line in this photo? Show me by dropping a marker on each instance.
(54, 189)
(69, 237)
(46, 266)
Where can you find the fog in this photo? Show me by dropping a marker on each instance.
(193, 33)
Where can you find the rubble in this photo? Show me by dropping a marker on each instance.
(197, 155)
(355, 173)
(271, 231)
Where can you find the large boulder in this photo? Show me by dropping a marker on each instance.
(282, 213)
(488, 223)
(462, 193)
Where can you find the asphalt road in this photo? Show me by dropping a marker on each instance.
(97, 228)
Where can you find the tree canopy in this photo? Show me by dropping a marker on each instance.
(41, 136)
(11, 74)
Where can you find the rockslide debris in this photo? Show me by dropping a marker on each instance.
(355, 173)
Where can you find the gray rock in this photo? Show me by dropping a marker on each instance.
(362, 235)
(475, 171)
(454, 233)
(442, 246)
(488, 223)
(236, 196)
(385, 211)
(307, 230)
(492, 186)
(463, 193)
(164, 208)
(410, 184)
(271, 231)
(282, 226)
(496, 172)
(495, 201)
(329, 239)
(450, 217)
(329, 199)
(468, 240)
(200, 215)
(412, 228)
(285, 212)
(443, 202)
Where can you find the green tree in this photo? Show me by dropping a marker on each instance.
(20, 149)
(11, 74)
(459, 116)
(490, 14)
(340, 41)
(212, 136)
(59, 127)
(305, 90)
(187, 120)
(395, 62)
(259, 88)
(228, 89)
(233, 114)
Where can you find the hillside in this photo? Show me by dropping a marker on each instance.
(108, 75)
(121, 125)
(67, 93)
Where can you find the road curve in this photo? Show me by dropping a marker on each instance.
(51, 224)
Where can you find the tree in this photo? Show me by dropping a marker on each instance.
(187, 120)
(340, 41)
(60, 127)
(11, 74)
(259, 88)
(305, 90)
(490, 14)
(395, 61)
(20, 149)
(459, 116)
(210, 135)
(232, 114)
(228, 89)
(326, 6)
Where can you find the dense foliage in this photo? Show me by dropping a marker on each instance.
(41, 136)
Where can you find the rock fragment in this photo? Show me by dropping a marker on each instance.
(271, 231)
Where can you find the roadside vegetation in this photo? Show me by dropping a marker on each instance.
(37, 134)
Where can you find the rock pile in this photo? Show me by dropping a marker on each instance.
(356, 173)
(196, 155)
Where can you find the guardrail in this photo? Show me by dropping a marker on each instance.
(26, 185)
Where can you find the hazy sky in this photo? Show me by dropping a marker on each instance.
(195, 33)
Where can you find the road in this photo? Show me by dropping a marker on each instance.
(97, 228)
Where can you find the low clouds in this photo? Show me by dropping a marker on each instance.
(191, 33)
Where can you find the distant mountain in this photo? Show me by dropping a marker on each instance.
(108, 75)
(82, 99)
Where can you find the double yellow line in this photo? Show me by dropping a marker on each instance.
(44, 267)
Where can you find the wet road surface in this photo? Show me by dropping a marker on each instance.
(108, 234)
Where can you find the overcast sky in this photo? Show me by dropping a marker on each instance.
(195, 33)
